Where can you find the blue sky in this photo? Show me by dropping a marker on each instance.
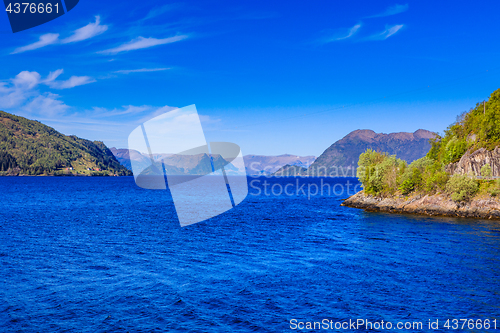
(272, 76)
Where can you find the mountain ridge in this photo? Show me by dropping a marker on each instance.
(341, 157)
(197, 164)
(338, 160)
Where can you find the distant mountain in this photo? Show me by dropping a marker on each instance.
(28, 147)
(341, 158)
(264, 165)
(199, 164)
(125, 157)
(254, 164)
(290, 171)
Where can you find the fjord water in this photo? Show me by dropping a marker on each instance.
(102, 255)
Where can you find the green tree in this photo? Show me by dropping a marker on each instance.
(462, 188)
(486, 170)
(379, 173)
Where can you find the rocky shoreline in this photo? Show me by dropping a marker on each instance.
(432, 205)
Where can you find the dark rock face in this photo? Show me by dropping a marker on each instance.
(472, 162)
(434, 205)
(341, 158)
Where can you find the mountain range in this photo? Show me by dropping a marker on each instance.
(198, 164)
(339, 160)
(29, 147)
(255, 165)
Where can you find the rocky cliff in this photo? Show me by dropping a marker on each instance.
(472, 162)
(440, 205)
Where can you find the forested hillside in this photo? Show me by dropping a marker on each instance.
(29, 147)
(479, 128)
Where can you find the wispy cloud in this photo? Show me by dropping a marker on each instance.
(24, 96)
(392, 10)
(47, 104)
(157, 11)
(98, 112)
(86, 32)
(143, 43)
(109, 125)
(89, 31)
(22, 93)
(44, 40)
(351, 33)
(54, 75)
(72, 82)
(141, 70)
(388, 32)
(341, 35)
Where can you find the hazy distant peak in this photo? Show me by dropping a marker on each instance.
(423, 134)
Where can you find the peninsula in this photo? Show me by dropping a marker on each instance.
(459, 176)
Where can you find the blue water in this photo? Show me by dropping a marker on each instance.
(101, 255)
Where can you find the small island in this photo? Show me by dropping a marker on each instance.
(459, 176)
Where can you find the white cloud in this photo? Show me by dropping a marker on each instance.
(125, 110)
(26, 80)
(352, 31)
(138, 114)
(15, 92)
(21, 92)
(72, 82)
(86, 32)
(12, 97)
(143, 43)
(345, 34)
(159, 10)
(141, 70)
(388, 32)
(44, 40)
(53, 75)
(392, 10)
(46, 104)
(83, 33)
